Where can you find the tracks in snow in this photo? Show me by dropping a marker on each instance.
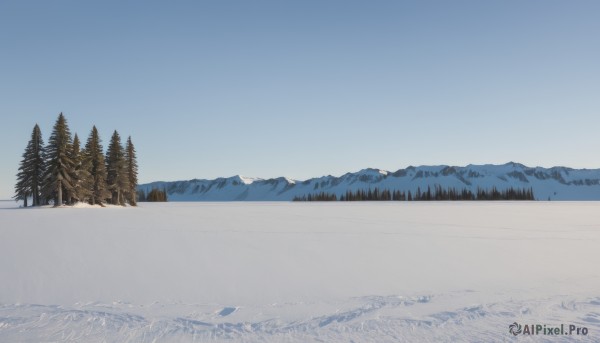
(371, 318)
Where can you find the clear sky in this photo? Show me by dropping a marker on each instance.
(305, 88)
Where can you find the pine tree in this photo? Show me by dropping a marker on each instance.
(132, 172)
(31, 171)
(58, 176)
(157, 195)
(82, 177)
(116, 170)
(94, 162)
(21, 189)
(73, 154)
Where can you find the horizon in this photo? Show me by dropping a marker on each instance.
(276, 89)
(258, 178)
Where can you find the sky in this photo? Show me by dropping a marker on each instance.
(303, 89)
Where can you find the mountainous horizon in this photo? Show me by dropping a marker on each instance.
(555, 183)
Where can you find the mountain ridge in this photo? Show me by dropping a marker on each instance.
(554, 183)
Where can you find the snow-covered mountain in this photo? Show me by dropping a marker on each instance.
(556, 183)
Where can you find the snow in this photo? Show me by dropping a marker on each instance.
(373, 172)
(246, 180)
(298, 272)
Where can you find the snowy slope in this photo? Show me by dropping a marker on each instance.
(299, 272)
(557, 183)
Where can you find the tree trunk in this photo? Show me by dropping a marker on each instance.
(25, 201)
(59, 200)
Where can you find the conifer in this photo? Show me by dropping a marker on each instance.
(94, 163)
(31, 170)
(82, 177)
(58, 176)
(132, 172)
(116, 170)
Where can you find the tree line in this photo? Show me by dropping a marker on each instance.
(155, 195)
(63, 172)
(438, 193)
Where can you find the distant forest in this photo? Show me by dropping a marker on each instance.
(438, 193)
(155, 195)
(63, 173)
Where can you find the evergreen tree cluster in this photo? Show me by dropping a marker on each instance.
(155, 195)
(63, 172)
(438, 193)
(323, 196)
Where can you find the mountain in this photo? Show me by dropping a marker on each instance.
(556, 183)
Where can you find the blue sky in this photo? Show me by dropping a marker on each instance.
(305, 88)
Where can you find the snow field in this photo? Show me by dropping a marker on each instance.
(442, 271)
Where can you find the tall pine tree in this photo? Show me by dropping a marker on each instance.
(31, 170)
(116, 170)
(58, 176)
(82, 177)
(132, 172)
(94, 162)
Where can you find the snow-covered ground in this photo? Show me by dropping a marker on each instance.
(299, 272)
